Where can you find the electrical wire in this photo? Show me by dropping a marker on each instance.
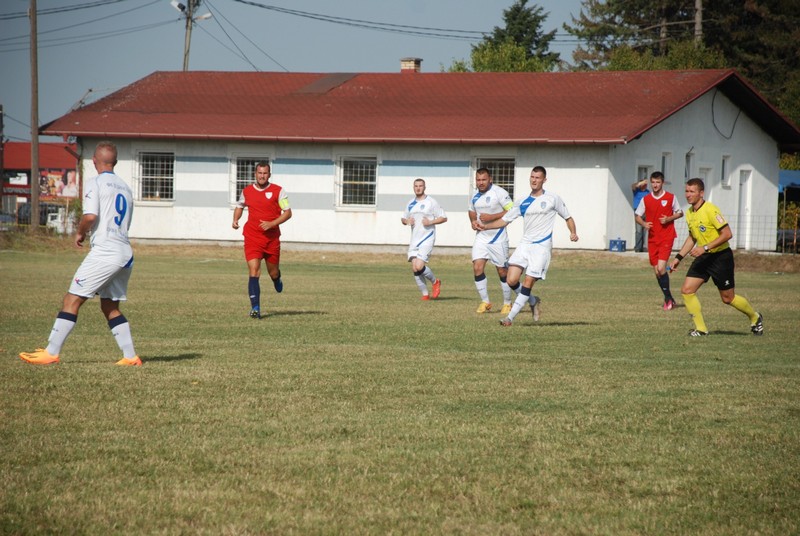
(421, 31)
(26, 36)
(62, 41)
(55, 10)
(5, 114)
(219, 13)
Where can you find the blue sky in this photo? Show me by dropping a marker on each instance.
(102, 48)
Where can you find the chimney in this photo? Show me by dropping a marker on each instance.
(410, 65)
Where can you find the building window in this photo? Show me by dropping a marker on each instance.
(502, 171)
(688, 167)
(643, 173)
(245, 174)
(156, 176)
(666, 165)
(358, 181)
(725, 172)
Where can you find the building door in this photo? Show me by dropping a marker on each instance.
(743, 217)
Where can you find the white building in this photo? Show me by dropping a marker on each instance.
(347, 147)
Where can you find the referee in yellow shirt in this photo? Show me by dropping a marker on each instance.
(709, 234)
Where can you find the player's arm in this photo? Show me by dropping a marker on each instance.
(84, 226)
(486, 218)
(725, 234)
(496, 224)
(573, 233)
(473, 218)
(677, 213)
(687, 246)
(638, 216)
(237, 214)
(285, 215)
(435, 221)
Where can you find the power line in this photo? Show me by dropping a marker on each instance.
(54, 10)
(245, 36)
(5, 114)
(26, 36)
(421, 31)
(62, 41)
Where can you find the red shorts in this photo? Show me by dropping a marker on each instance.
(659, 250)
(268, 249)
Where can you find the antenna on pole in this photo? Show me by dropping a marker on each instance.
(188, 9)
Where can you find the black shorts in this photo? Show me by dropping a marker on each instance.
(718, 266)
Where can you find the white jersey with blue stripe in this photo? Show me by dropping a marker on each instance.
(539, 214)
(427, 208)
(109, 198)
(492, 201)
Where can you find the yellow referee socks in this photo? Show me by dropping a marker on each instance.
(741, 304)
(693, 307)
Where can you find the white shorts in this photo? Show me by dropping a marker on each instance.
(533, 258)
(496, 253)
(422, 252)
(109, 281)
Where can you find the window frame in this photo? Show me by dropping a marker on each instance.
(233, 180)
(509, 184)
(342, 182)
(140, 176)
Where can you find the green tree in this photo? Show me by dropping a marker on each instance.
(759, 38)
(501, 57)
(521, 46)
(680, 55)
(524, 28)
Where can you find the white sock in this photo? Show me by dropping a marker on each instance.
(483, 292)
(121, 330)
(428, 274)
(423, 287)
(62, 327)
(519, 303)
(506, 292)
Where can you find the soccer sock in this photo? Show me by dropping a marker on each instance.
(420, 280)
(741, 304)
(254, 290)
(506, 290)
(522, 299)
(428, 274)
(663, 282)
(695, 311)
(515, 288)
(121, 330)
(62, 327)
(480, 284)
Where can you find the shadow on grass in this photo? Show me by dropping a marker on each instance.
(291, 313)
(169, 358)
(736, 333)
(558, 324)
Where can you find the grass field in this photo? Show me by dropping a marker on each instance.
(355, 408)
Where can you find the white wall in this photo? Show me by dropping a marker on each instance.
(593, 180)
(709, 128)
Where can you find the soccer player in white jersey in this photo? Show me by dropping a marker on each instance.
(423, 214)
(532, 255)
(106, 269)
(489, 203)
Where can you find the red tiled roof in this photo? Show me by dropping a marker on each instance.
(476, 108)
(17, 155)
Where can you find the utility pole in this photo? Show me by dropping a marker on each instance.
(33, 228)
(698, 23)
(189, 14)
(2, 156)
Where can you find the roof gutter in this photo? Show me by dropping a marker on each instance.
(366, 140)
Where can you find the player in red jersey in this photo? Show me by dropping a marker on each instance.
(267, 208)
(660, 208)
